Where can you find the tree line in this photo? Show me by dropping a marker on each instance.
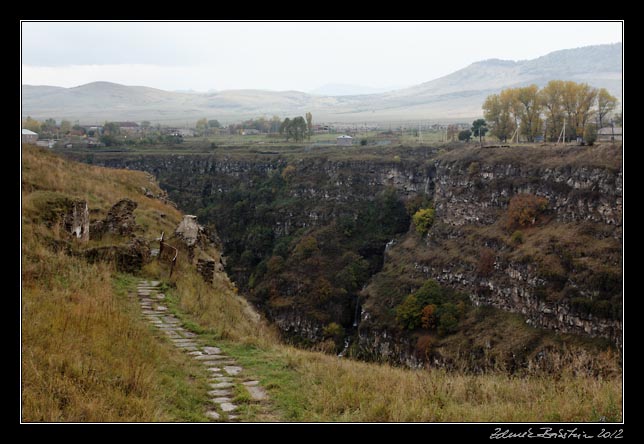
(543, 112)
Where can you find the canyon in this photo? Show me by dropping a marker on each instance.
(322, 242)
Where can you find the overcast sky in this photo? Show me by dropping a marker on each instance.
(283, 55)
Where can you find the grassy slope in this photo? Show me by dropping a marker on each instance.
(86, 355)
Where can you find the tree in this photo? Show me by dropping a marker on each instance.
(497, 110)
(529, 109)
(295, 128)
(408, 314)
(618, 119)
(275, 124)
(590, 134)
(605, 105)
(465, 135)
(309, 124)
(111, 129)
(479, 128)
(284, 127)
(551, 101)
(423, 220)
(49, 127)
(202, 126)
(452, 131)
(214, 124)
(428, 316)
(31, 124)
(577, 100)
(65, 127)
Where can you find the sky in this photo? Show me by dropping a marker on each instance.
(279, 56)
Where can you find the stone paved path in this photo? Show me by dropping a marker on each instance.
(225, 374)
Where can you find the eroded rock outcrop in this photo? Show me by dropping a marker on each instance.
(201, 246)
(119, 221)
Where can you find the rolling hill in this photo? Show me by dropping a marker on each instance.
(457, 95)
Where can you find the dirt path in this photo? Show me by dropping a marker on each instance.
(226, 378)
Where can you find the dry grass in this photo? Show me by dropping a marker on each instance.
(313, 387)
(86, 354)
(548, 156)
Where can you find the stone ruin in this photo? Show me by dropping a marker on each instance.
(119, 220)
(199, 243)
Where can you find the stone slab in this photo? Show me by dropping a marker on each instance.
(227, 406)
(219, 393)
(223, 379)
(222, 385)
(221, 399)
(212, 350)
(212, 414)
(250, 383)
(233, 369)
(211, 357)
(257, 393)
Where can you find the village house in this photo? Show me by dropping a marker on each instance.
(29, 136)
(609, 134)
(129, 127)
(344, 140)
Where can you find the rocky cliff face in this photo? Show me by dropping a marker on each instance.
(565, 276)
(472, 192)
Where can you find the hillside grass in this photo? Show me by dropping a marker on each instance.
(87, 356)
(307, 386)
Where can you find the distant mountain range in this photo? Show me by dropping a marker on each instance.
(454, 96)
(342, 89)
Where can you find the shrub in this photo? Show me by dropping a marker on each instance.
(590, 134)
(408, 314)
(306, 247)
(423, 346)
(423, 220)
(485, 266)
(517, 237)
(288, 172)
(363, 142)
(465, 135)
(474, 168)
(428, 317)
(447, 324)
(524, 210)
(431, 293)
(333, 331)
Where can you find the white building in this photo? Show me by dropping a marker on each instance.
(29, 136)
(344, 140)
